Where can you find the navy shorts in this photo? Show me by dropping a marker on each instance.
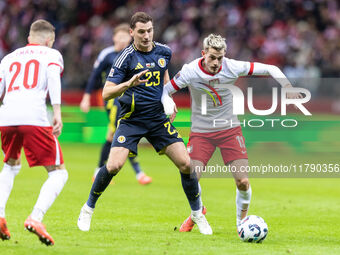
(160, 133)
(113, 110)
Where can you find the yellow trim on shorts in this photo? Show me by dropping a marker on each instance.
(127, 115)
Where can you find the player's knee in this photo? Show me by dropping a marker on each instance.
(114, 167)
(63, 175)
(184, 166)
(242, 184)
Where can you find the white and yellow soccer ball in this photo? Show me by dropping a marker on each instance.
(253, 229)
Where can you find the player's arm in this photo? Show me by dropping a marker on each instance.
(98, 67)
(113, 90)
(54, 90)
(275, 72)
(181, 80)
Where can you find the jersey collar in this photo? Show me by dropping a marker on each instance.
(204, 71)
(33, 44)
(145, 52)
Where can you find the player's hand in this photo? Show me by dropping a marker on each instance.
(136, 79)
(85, 103)
(173, 116)
(293, 95)
(57, 125)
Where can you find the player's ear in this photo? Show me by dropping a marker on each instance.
(203, 53)
(131, 32)
(29, 39)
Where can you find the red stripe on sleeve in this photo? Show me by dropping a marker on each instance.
(174, 85)
(62, 70)
(251, 68)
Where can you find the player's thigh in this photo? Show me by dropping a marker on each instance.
(128, 135)
(117, 158)
(41, 147)
(11, 144)
(178, 154)
(239, 170)
(232, 145)
(200, 147)
(161, 134)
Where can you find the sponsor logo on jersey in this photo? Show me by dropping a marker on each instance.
(139, 66)
(121, 139)
(111, 72)
(161, 62)
(150, 65)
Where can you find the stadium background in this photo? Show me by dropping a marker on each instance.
(299, 36)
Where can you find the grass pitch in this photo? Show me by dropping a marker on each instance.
(302, 214)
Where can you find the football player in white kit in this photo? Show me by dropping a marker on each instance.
(203, 76)
(26, 75)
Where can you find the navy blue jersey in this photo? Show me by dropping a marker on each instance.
(101, 69)
(144, 100)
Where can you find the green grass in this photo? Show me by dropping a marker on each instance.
(302, 214)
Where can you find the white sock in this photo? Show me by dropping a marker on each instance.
(242, 202)
(196, 213)
(200, 191)
(49, 192)
(7, 176)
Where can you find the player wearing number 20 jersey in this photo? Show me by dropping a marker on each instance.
(26, 75)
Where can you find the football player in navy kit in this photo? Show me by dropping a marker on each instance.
(121, 39)
(137, 78)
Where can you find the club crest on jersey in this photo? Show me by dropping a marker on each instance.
(150, 65)
(161, 62)
(214, 81)
(121, 139)
(111, 72)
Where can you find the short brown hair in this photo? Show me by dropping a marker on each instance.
(140, 17)
(41, 25)
(121, 27)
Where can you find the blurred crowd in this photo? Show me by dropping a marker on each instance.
(299, 36)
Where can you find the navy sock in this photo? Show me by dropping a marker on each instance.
(135, 165)
(102, 180)
(191, 189)
(104, 153)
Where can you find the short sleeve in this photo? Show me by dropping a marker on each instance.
(57, 59)
(182, 78)
(118, 69)
(240, 68)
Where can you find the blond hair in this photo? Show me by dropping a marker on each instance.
(41, 26)
(125, 27)
(216, 42)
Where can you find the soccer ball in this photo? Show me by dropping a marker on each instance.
(253, 229)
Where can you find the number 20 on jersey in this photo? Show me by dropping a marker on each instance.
(16, 67)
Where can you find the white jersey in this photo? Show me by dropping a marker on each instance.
(218, 100)
(26, 75)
